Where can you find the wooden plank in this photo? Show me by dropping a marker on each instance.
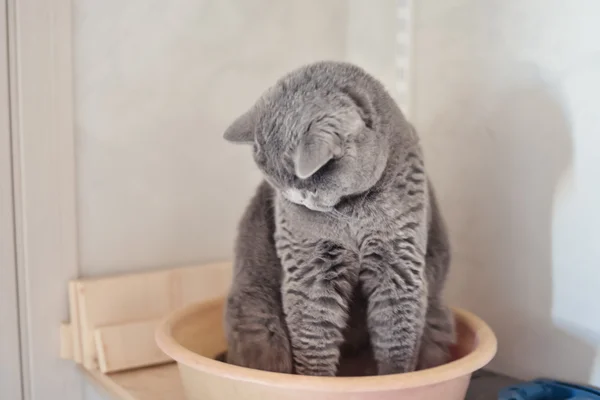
(75, 324)
(106, 386)
(66, 341)
(152, 383)
(128, 346)
(125, 299)
(120, 314)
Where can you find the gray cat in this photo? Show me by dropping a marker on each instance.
(343, 246)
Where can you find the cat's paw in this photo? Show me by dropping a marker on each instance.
(390, 366)
(315, 368)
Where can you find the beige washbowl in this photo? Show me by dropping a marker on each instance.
(193, 336)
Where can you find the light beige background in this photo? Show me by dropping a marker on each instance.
(10, 357)
(506, 96)
(156, 84)
(503, 95)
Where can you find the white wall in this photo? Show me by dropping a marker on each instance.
(10, 356)
(506, 97)
(157, 83)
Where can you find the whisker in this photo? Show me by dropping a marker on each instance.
(339, 215)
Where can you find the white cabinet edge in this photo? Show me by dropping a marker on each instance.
(44, 182)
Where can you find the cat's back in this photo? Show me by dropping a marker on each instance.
(260, 208)
(255, 247)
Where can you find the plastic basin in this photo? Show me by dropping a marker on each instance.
(194, 335)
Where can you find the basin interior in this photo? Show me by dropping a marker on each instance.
(200, 330)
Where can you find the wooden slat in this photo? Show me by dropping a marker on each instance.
(66, 342)
(127, 299)
(75, 331)
(152, 383)
(128, 346)
(113, 320)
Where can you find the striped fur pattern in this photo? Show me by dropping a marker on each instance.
(344, 247)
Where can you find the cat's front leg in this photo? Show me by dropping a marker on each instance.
(318, 285)
(256, 333)
(439, 335)
(391, 277)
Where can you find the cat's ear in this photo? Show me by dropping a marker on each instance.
(314, 151)
(241, 130)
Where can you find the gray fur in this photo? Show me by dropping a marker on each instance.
(348, 225)
(256, 331)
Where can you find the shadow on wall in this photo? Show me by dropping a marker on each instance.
(520, 145)
(576, 222)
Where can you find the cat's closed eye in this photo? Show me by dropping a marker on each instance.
(325, 170)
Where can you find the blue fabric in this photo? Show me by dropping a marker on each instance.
(545, 389)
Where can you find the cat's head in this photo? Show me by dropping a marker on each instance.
(316, 134)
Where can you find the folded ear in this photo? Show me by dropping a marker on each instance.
(242, 129)
(314, 151)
